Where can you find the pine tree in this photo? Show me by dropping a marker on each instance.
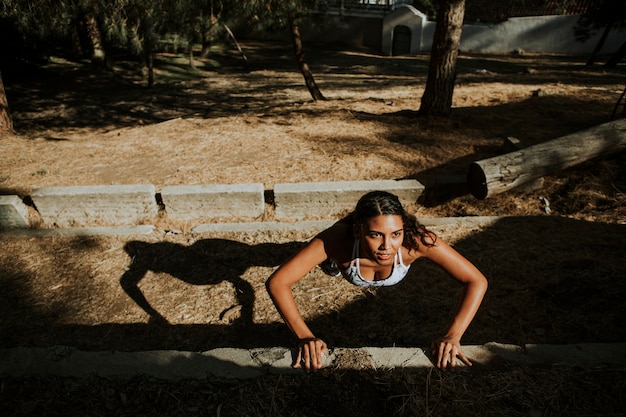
(437, 97)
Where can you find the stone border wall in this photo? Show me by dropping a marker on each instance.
(128, 205)
(235, 363)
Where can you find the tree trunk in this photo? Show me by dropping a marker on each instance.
(207, 36)
(76, 38)
(302, 64)
(206, 48)
(437, 97)
(149, 46)
(232, 37)
(599, 45)
(95, 37)
(150, 61)
(502, 173)
(617, 57)
(620, 103)
(6, 124)
(192, 63)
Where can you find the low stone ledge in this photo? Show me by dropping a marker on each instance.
(96, 205)
(13, 212)
(189, 202)
(234, 363)
(312, 225)
(328, 199)
(145, 229)
(121, 205)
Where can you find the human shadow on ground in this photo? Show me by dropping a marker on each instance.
(205, 262)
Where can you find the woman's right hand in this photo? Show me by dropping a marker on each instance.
(311, 353)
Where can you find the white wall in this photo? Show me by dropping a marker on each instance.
(544, 34)
(549, 34)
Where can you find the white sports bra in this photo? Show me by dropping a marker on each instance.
(353, 275)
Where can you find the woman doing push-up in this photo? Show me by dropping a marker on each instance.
(374, 246)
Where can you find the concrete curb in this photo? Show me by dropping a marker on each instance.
(80, 231)
(297, 200)
(233, 363)
(234, 227)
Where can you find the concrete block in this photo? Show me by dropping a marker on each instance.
(398, 358)
(188, 202)
(296, 201)
(96, 205)
(13, 212)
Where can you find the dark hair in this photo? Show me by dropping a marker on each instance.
(376, 203)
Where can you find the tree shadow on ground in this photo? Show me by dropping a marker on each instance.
(552, 280)
(84, 98)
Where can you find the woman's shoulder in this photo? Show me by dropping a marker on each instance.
(424, 243)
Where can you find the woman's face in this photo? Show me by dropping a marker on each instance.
(381, 237)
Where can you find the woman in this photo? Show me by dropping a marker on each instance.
(374, 246)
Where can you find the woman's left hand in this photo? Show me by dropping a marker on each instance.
(447, 350)
(311, 351)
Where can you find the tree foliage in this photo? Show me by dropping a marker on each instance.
(130, 24)
(600, 15)
(91, 28)
(274, 14)
(429, 7)
(282, 15)
(605, 15)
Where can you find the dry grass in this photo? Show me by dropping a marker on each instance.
(510, 391)
(553, 278)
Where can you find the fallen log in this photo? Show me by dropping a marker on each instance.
(504, 172)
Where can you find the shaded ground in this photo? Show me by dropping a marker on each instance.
(512, 391)
(554, 278)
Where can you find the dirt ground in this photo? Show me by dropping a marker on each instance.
(555, 277)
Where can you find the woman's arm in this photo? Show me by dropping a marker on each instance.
(448, 347)
(310, 348)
